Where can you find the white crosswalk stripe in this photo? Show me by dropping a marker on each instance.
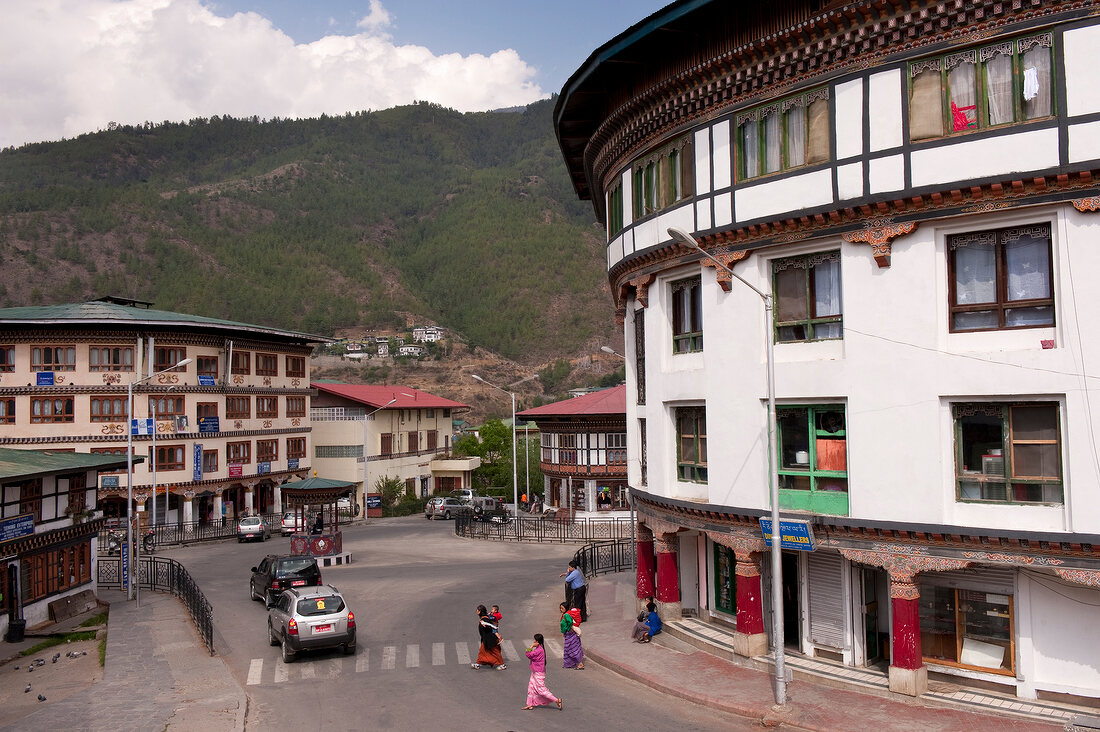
(281, 671)
(439, 654)
(389, 658)
(363, 662)
(509, 651)
(412, 656)
(308, 671)
(555, 648)
(463, 652)
(335, 667)
(255, 671)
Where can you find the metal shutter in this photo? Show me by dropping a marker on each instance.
(826, 585)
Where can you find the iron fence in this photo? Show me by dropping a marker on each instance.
(161, 574)
(603, 557)
(538, 529)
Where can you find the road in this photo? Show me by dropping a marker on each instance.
(414, 588)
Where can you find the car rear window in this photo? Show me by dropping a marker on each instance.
(320, 605)
(289, 567)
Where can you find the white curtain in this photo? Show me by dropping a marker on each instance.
(772, 142)
(750, 148)
(964, 97)
(1036, 63)
(975, 274)
(1028, 265)
(998, 86)
(796, 136)
(827, 289)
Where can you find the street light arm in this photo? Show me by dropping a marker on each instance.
(612, 351)
(681, 236)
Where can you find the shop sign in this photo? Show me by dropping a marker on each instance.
(197, 474)
(208, 425)
(793, 534)
(374, 500)
(16, 526)
(44, 378)
(292, 463)
(262, 468)
(109, 481)
(235, 470)
(206, 380)
(141, 427)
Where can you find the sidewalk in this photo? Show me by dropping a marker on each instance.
(711, 681)
(158, 675)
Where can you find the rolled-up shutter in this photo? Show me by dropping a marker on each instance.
(826, 599)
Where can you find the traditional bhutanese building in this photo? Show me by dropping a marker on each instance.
(906, 194)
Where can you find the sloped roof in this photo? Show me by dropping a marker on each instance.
(380, 396)
(605, 401)
(109, 312)
(16, 464)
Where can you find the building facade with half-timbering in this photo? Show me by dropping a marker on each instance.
(913, 186)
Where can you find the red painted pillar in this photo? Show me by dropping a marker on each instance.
(668, 575)
(908, 674)
(750, 609)
(646, 567)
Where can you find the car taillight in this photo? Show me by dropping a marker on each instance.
(292, 627)
(318, 580)
(351, 620)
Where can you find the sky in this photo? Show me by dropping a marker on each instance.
(73, 66)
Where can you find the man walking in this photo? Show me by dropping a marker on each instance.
(575, 590)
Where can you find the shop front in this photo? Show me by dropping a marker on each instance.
(967, 621)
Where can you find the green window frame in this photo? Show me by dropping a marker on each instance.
(1004, 83)
(813, 458)
(808, 303)
(663, 177)
(687, 315)
(691, 444)
(1008, 453)
(725, 580)
(614, 210)
(790, 133)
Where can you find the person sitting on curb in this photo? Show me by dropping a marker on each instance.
(641, 629)
(653, 620)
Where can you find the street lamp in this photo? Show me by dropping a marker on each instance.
(130, 471)
(612, 351)
(515, 478)
(366, 451)
(155, 407)
(682, 237)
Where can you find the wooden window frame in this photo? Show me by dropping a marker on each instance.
(165, 358)
(1015, 486)
(295, 406)
(663, 177)
(781, 107)
(295, 447)
(30, 498)
(177, 461)
(267, 364)
(205, 409)
(431, 439)
(96, 363)
(243, 452)
(806, 263)
(691, 471)
(238, 401)
(38, 363)
(687, 315)
(7, 411)
(267, 407)
(96, 413)
(816, 454)
(615, 210)
(207, 366)
(7, 359)
(241, 363)
(385, 443)
(267, 451)
(66, 415)
(296, 367)
(209, 461)
(167, 405)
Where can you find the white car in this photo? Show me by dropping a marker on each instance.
(251, 527)
(292, 524)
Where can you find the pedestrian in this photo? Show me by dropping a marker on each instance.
(537, 693)
(489, 653)
(575, 589)
(574, 651)
(496, 616)
(641, 629)
(653, 620)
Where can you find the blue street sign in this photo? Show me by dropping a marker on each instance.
(206, 380)
(125, 565)
(44, 378)
(208, 425)
(197, 474)
(262, 468)
(793, 534)
(141, 426)
(292, 464)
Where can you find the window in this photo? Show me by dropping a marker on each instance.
(209, 461)
(238, 407)
(295, 406)
(7, 411)
(687, 316)
(207, 366)
(813, 459)
(168, 457)
(267, 451)
(111, 358)
(238, 452)
(412, 440)
(725, 579)
(614, 211)
(807, 297)
(166, 406)
(784, 135)
(967, 628)
(267, 407)
(432, 439)
(109, 409)
(53, 358)
(639, 353)
(165, 358)
(338, 451)
(30, 498)
(616, 448)
(267, 364)
(296, 447)
(7, 359)
(296, 367)
(644, 463)
(241, 363)
(50, 572)
(663, 177)
(1001, 279)
(1008, 452)
(206, 410)
(387, 443)
(429, 413)
(1008, 82)
(121, 451)
(691, 440)
(52, 410)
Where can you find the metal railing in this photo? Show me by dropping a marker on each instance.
(603, 557)
(538, 529)
(161, 574)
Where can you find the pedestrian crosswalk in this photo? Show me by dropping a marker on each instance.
(380, 659)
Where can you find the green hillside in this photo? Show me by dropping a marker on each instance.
(467, 220)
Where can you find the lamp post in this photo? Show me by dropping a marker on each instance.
(515, 479)
(612, 351)
(155, 409)
(130, 471)
(682, 237)
(629, 490)
(366, 454)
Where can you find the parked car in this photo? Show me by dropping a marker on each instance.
(345, 506)
(311, 618)
(292, 524)
(445, 507)
(463, 494)
(252, 527)
(278, 573)
(486, 503)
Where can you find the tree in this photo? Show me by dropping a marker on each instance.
(390, 488)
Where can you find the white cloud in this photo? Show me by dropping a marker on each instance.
(73, 66)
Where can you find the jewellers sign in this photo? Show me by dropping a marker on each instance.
(793, 534)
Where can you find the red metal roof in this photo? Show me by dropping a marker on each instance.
(379, 396)
(605, 401)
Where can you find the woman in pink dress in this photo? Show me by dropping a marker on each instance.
(537, 693)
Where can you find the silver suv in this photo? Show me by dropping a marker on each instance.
(445, 507)
(311, 618)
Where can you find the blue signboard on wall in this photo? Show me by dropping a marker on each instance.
(262, 468)
(208, 425)
(197, 475)
(374, 501)
(206, 380)
(141, 426)
(44, 378)
(16, 526)
(292, 463)
(793, 534)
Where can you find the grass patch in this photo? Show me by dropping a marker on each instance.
(58, 640)
(100, 619)
(103, 653)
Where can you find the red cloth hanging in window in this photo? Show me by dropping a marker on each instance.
(959, 119)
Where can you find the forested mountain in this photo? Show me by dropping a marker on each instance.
(466, 220)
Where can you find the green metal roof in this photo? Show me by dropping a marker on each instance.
(112, 311)
(17, 464)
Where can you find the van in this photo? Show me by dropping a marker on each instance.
(485, 503)
(463, 494)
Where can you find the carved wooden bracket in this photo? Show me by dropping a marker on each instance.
(641, 288)
(725, 281)
(904, 568)
(1086, 577)
(667, 544)
(739, 542)
(879, 234)
(1087, 205)
(659, 527)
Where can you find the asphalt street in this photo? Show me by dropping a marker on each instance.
(414, 588)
